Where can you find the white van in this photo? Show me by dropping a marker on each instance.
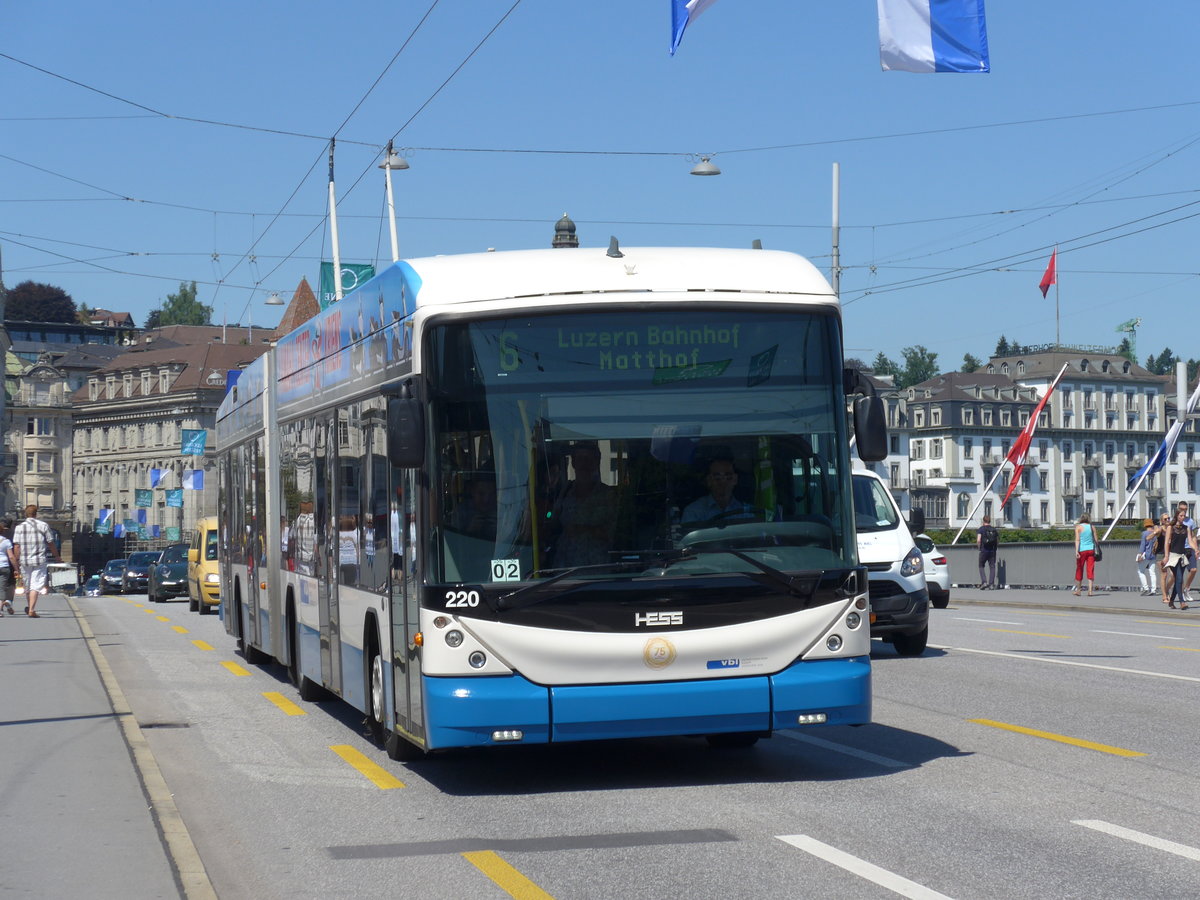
(895, 567)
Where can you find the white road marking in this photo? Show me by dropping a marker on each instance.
(1148, 840)
(1157, 637)
(861, 867)
(989, 621)
(1066, 662)
(842, 748)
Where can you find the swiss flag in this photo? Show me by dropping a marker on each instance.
(1051, 276)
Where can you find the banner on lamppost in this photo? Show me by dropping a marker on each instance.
(193, 442)
(352, 275)
(143, 497)
(175, 497)
(172, 532)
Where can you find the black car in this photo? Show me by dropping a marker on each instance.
(168, 578)
(112, 579)
(137, 572)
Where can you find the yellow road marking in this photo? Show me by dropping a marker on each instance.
(202, 645)
(1061, 738)
(162, 618)
(1034, 633)
(179, 628)
(148, 612)
(1172, 624)
(1188, 649)
(234, 667)
(134, 603)
(509, 879)
(284, 703)
(377, 775)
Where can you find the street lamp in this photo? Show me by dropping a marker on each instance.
(274, 299)
(397, 162)
(705, 167)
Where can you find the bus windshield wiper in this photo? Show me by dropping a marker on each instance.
(532, 594)
(797, 585)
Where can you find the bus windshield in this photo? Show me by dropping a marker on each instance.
(638, 443)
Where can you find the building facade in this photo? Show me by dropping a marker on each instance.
(1104, 421)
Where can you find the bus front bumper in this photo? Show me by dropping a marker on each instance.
(484, 711)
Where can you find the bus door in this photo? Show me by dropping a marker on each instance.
(406, 604)
(325, 555)
(255, 547)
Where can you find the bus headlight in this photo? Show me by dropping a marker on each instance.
(834, 642)
(454, 638)
(853, 620)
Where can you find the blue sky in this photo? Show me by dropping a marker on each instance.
(954, 187)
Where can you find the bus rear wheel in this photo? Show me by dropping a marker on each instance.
(376, 693)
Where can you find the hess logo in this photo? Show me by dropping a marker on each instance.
(658, 618)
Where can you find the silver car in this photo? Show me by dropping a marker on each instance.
(937, 571)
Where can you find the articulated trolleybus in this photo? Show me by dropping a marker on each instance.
(559, 495)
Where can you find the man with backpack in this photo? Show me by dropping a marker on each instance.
(987, 539)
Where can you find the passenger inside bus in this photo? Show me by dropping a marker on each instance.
(586, 512)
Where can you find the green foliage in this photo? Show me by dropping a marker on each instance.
(181, 308)
(919, 365)
(1001, 347)
(970, 363)
(31, 301)
(884, 366)
(942, 536)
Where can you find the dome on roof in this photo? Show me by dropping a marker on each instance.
(564, 233)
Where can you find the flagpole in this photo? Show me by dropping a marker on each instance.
(1057, 317)
(978, 503)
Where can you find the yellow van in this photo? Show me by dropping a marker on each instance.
(204, 580)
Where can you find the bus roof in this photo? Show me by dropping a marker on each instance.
(509, 274)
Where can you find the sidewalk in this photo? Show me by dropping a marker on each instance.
(1129, 603)
(73, 804)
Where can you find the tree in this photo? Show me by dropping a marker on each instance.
(1001, 347)
(1163, 364)
(1126, 350)
(970, 363)
(884, 366)
(181, 308)
(919, 365)
(31, 301)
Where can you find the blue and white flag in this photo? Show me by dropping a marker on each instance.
(193, 480)
(683, 12)
(933, 36)
(1167, 447)
(156, 476)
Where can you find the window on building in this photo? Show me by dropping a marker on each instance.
(1045, 510)
(1088, 401)
(987, 416)
(145, 383)
(1110, 451)
(894, 443)
(968, 446)
(935, 448)
(916, 450)
(1006, 417)
(918, 418)
(1130, 451)
(1108, 481)
(1068, 448)
(39, 426)
(968, 416)
(1066, 481)
(964, 505)
(968, 473)
(1174, 483)
(164, 381)
(1043, 450)
(987, 447)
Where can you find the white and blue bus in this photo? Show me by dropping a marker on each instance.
(559, 495)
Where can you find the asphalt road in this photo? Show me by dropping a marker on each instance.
(1036, 750)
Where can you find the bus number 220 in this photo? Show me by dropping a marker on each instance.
(461, 599)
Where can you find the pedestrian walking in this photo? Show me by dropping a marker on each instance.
(1086, 545)
(987, 539)
(1160, 553)
(1147, 565)
(1179, 538)
(1190, 552)
(35, 541)
(10, 566)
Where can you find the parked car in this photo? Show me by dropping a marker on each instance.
(90, 588)
(112, 578)
(168, 578)
(204, 579)
(137, 572)
(937, 571)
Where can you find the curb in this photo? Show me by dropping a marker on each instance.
(1052, 607)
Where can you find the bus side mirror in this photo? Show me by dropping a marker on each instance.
(916, 520)
(406, 432)
(870, 429)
